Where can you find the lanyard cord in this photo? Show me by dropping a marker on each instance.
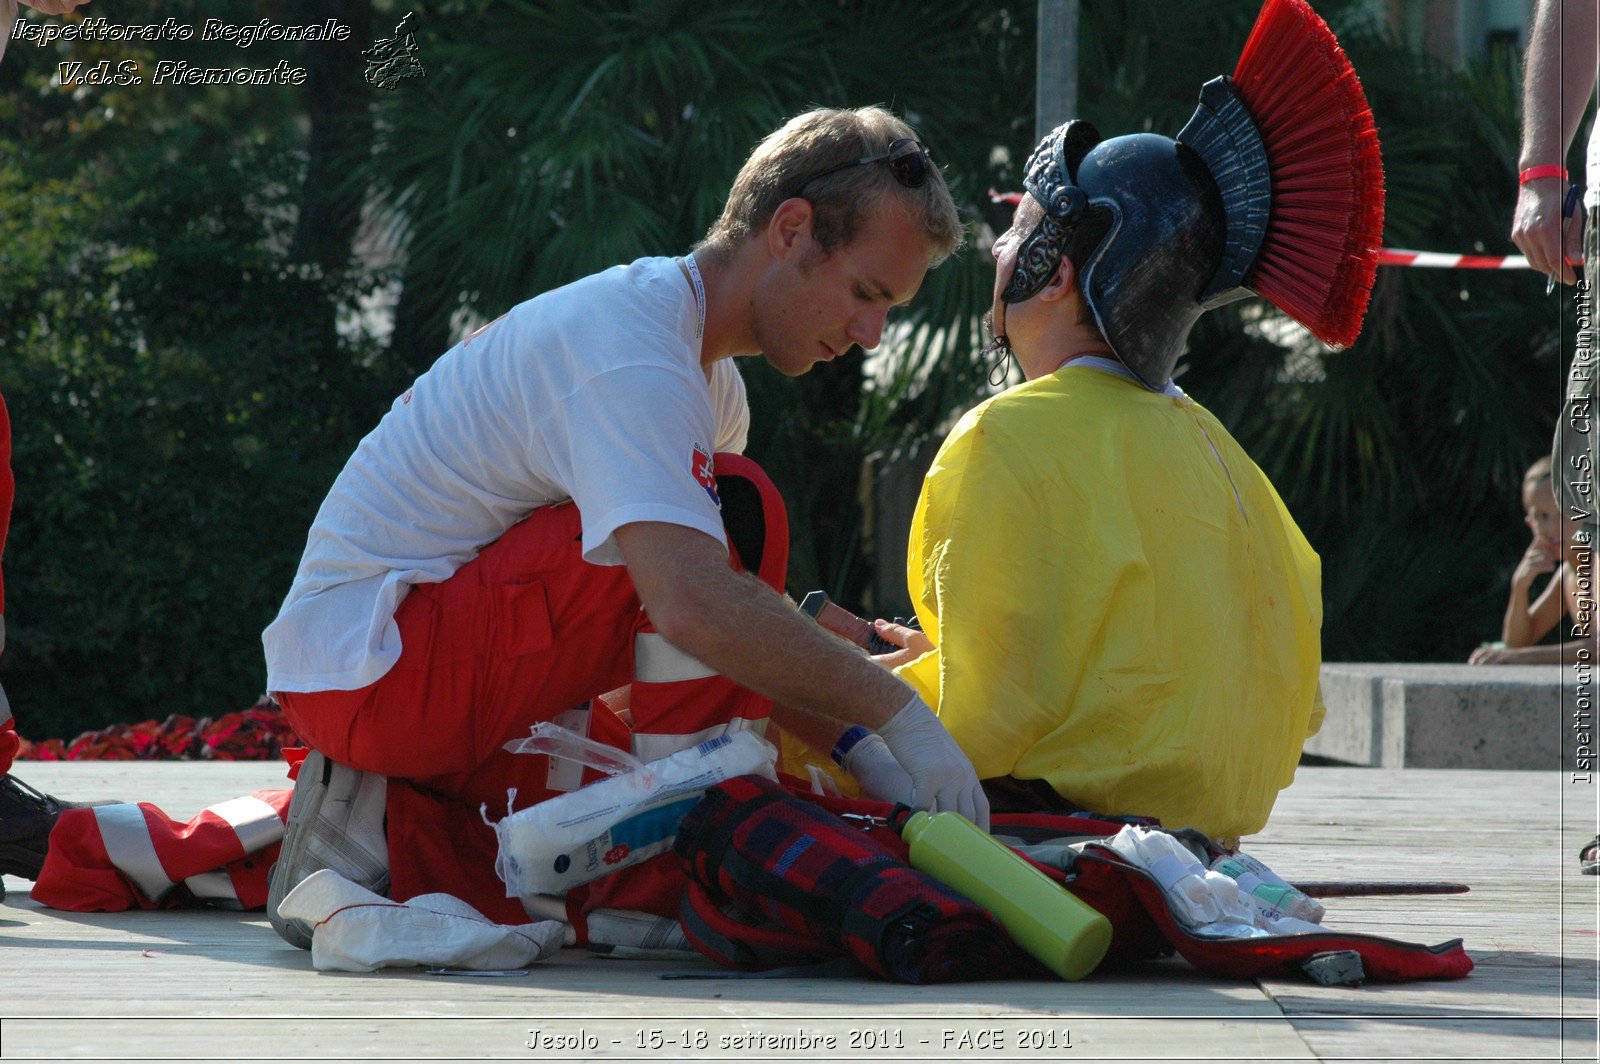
(699, 294)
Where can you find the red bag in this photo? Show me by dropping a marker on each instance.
(747, 909)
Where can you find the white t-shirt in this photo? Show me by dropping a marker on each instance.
(593, 392)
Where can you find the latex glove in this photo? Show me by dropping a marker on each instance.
(879, 774)
(942, 776)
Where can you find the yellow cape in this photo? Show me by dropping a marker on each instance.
(1121, 604)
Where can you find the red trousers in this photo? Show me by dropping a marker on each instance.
(527, 632)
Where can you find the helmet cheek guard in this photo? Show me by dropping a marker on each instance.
(1049, 182)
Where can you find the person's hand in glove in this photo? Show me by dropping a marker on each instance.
(876, 769)
(941, 775)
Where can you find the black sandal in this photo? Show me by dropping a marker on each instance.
(1589, 858)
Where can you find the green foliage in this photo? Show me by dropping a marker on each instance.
(180, 402)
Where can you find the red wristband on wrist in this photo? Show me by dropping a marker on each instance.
(1534, 173)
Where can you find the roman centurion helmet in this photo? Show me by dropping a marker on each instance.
(1273, 188)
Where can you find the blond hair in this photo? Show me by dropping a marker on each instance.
(812, 144)
(1540, 470)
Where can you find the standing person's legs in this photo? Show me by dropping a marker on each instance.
(1575, 456)
(1574, 452)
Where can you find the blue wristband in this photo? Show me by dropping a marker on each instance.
(847, 742)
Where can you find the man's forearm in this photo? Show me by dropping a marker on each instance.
(756, 638)
(818, 732)
(1558, 77)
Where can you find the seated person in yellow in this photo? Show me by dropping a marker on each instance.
(1120, 614)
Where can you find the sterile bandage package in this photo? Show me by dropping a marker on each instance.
(595, 830)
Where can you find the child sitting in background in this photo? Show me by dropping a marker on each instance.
(1559, 548)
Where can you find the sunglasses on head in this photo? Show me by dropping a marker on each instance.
(908, 162)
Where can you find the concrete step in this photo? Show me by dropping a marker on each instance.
(1392, 715)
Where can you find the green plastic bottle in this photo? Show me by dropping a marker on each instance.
(1068, 936)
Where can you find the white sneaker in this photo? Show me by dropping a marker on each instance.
(336, 820)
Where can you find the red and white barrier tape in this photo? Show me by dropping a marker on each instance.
(1439, 260)
(1390, 256)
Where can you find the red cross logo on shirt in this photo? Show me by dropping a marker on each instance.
(704, 470)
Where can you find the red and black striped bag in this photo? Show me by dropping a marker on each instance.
(776, 880)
